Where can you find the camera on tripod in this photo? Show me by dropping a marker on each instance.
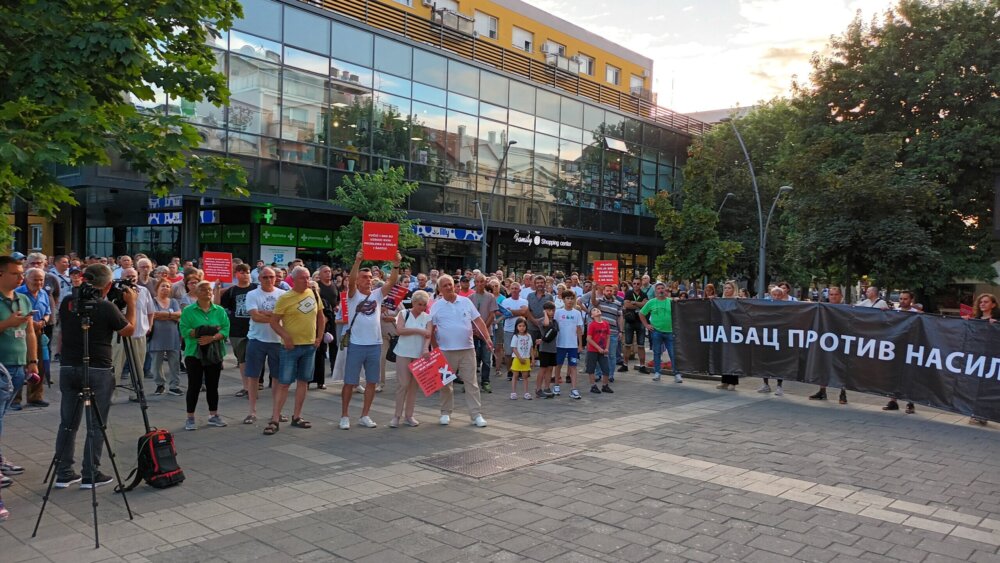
(87, 292)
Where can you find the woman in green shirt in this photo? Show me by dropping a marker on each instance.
(204, 326)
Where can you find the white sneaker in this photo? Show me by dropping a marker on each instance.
(345, 423)
(555, 389)
(513, 396)
(444, 420)
(574, 394)
(656, 377)
(765, 388)
(528, 397)
(678, 378)
(779, 391)
(367, 422)
(479, 421)
(394, 423)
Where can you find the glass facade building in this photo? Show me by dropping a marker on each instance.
(316, 96)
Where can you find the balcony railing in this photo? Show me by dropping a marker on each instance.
(453, 20)
(466, 45)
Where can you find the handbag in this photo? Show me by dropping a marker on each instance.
(345, 339)
(390, 353)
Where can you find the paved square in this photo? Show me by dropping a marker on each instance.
(655, 472)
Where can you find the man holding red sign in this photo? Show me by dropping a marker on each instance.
(364, 351)
(453, 319)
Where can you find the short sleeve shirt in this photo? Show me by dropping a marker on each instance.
(367, 309)
(260, 300)
(298, 315)
(512, 304)
(659, 313)
(599, 332)
(234, 301)
(13, 341)
(453, 323)
(611, 309)
(536, 306)
(569, 320)
(486, 305)
(105, 321)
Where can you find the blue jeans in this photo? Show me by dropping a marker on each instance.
(6, 396)
(102, 383)
(296, 364)
(612, 355)
(483, 357)
(659, 340)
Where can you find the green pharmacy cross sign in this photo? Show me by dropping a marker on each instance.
(315, 238)
(283, 236)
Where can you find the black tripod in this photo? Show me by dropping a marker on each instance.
(93, 417)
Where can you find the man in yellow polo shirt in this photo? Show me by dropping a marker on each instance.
(298, 320)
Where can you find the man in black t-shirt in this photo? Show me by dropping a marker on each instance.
(635, 333)
(105, 321)
(233, 300)
(330, 297)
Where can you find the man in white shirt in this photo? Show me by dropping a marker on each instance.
(262, 342)
(364, 312)
(143, 324)
(873, 300)
(511, 308)
(453, 320)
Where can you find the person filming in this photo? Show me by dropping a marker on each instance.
(105, 319)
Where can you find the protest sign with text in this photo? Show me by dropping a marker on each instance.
(432, 372)
(606, 272)
(218, 266)
(379, 241)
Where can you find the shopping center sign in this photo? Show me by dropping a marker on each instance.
(536, 239)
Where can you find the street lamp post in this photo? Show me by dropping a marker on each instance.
(723, 204)
(762, 241)
(484, 219)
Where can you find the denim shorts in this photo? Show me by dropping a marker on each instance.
(257, 353)
(564, 354)
(297, 363)
(366, 356)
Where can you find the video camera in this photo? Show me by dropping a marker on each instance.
(88, 292)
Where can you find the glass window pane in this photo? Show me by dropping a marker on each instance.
(431, 69)
(547, 105)
(547, 127)
(494, 88)
(307, 61)
(665, 180)
(304, 108)
(462, 103)
(493, 112)
(261, 17)
(302, 152)
(252, 145)
(520, 119)
(253, 46)
(461, 141)
(492, 136)
(546, 161)
(392, 84)
(614, 125)
(351, 44)
(429, 94)
(390, 126)
(306, 30)
(570, 161)
(428, 144)
(522, 97)
(463, 79)
(593, 118)
(650, 135)
(393, 57)
(253, 101)
(633, 131)
(350, 118)
(572, 112)
(571, 133)
(520, 159)
(356, 75)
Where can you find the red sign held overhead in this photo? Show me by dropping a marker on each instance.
(379, 241)
(606, 272)
(218, 266)
(343, 306)
(432, 372)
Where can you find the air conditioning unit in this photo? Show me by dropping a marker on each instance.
(427, 3)
(545, 49)
(645, 73)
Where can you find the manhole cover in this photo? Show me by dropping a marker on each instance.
(484, 462)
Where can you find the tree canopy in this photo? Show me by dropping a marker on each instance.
(69, 70)
(892, 151)
(379, 196)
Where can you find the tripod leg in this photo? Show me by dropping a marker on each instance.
(112, 458)
(50, 478)
(89, 409)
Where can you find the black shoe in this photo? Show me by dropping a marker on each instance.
(548, 393)
(160, 390)
(606, 389)
(643, 369)
(93, 483)
(539, 394)
(175, 392)
(64, 481)
(818, 395)
(568, 380)
(843, 397)
(38, 403)
(622, 368)
(892, 405)
(595, 389)
(244, 393)
(510, 378)
(910, 408)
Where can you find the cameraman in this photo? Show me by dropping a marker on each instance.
(105, 320)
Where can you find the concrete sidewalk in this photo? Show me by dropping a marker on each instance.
(655, 472)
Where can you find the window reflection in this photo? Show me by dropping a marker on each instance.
(461, 142)
(429, 94)
(393, 57)
(492, 139)
(520, 162)
(304, 112)
(392, 84)
(463, 78)
(546, 162)
(307, 61)
(253, 102)
(253, 46)
(428, 144)
(391, 126)
(431, 69)
(351, 44)
(345, 72)
(306, 30)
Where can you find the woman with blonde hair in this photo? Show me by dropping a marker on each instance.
(414, 337)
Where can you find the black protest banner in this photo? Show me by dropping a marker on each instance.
(947, 363)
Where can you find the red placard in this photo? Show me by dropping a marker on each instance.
(379, 241)
(218, 266)
(966, 310)
(343, 306)
(606, 272)
(398, 293)
(432, 372)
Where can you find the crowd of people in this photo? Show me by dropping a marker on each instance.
(302, 327)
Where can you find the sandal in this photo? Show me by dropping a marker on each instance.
(250, 419)
(282, 418)
(272, 428)
(299, 423)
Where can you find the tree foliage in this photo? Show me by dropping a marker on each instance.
(67, 68)
(379, 196)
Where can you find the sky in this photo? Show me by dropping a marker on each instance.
(716, 54)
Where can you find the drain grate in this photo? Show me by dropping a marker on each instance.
(492, 460)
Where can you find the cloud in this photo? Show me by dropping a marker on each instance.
(687, 8)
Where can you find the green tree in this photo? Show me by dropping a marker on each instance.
(693, 247)
(896, 155)
(67, 69)
(381, 197)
